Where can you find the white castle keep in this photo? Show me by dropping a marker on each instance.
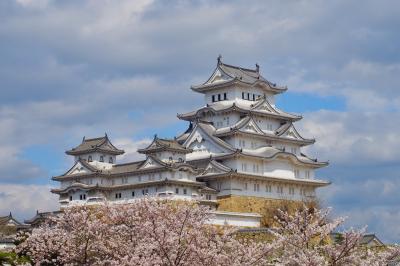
(238, 144)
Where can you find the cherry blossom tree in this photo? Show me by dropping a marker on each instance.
(148, 232)
(159, 232)
(308, 238)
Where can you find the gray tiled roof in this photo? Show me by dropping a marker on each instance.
(102, 144)
(244, 75)
(159, 144)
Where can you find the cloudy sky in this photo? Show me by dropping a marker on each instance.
(70, 69)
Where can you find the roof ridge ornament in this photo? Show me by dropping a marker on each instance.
(257, 68)
(219, 59)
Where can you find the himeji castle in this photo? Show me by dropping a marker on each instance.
(239, 144)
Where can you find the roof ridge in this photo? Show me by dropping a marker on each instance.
(122, 164)
(97, 138)
(240, 68)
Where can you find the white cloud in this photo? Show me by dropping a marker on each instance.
(24, 200)
(130, 147)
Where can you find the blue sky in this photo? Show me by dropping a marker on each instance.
(70, 69)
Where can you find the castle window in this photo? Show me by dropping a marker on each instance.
(269, 127)
(291, 191)
(225, 96)
(245, 186)
(307, 174)
(118, 195)
(133, 194)
(101, 158)
(180, 160)
(70, 198)
(279, 189)
(184, 191)
(296, 173)
(256, 187)
(213, 98)
(89, 158)
(243, 95)
(208, 197)
(176, 190)
(254, 97)
(248, 96)
(110, 160)
(268, 188)
(219, 97)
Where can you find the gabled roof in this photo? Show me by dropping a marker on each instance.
(134, 168)
(225, 75)
(40, 217)
(9, 219)
(289, 131)
(371, 239)
(159, 144)
(248, 126)
(84, 164)
(261, 107)
(215, 167)
(208, 130)
(102, 144)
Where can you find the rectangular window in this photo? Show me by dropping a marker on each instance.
(291, 191)
(243, 95)
(133, 194)
(279, 189)
(254, 97)
(245, 186)
(225, 96)
(176, 190)
(184, 191)
(307, 174)
(219, 97)
(268, 188)
(257, 187)
(248, 96)
(296, 173)
(213, 98)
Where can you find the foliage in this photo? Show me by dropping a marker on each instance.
(148, 232)
(11, 258)
(154, 232)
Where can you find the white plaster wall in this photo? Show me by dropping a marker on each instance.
(238, 188)
(6, 246)
(96, 158)
(235, 220)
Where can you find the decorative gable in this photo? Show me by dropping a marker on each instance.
(200, 142)
(218, 76)
(214, 168)
(291, 132)
(149, 163)
(250, 126)
(265, 106)
(78, 169)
